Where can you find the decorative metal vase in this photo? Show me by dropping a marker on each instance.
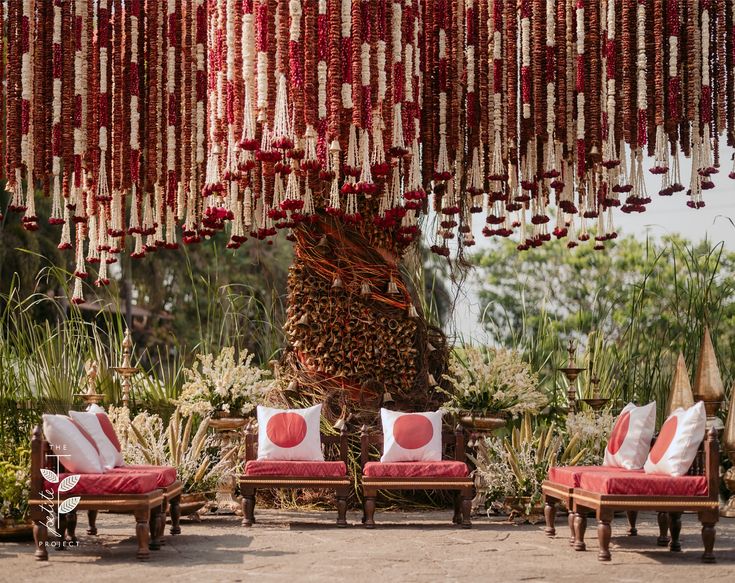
(521, 508)
(481, 423)
(192, 503)
(227, 423)
(229, 435)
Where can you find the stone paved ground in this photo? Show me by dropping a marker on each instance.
(421, 547)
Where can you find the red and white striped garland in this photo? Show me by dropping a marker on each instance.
(19, 202)
(56, 210)
(254, 102)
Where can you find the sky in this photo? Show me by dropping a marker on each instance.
(665, 215)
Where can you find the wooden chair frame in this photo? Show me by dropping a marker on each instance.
(249, 485)
(464, 487)
(146, 508)
(669, 508)
(171, 506)
(554, 493)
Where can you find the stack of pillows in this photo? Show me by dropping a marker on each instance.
(675, 448)
(293, 434)
(87, 440)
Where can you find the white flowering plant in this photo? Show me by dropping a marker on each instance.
(223, 385)
(592, 429)
(181, 443)
(492, 381)
(514, 467)
(15, 485)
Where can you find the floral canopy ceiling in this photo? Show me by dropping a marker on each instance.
(160, 122)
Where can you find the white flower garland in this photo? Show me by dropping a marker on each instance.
(346, 34)
(398, 143)
(200, 72)
(56, 114)
(26, 93)
(526, 55)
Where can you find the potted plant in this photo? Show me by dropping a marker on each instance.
(511, 469)
(184, 443)
(223, 387)
(490, 385)
(15, 481)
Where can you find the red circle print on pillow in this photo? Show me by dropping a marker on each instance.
(412, 431)
(665, 437)
(286, 429)
(619, 433)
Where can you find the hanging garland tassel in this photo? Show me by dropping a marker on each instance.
(254, 116)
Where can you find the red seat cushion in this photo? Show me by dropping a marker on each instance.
(300, 469)
(443, 469)
(635, 483)
(569, 476)
(165, 475)
(109, 483)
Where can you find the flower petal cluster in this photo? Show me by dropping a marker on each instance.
(223, 384)
(487, 381)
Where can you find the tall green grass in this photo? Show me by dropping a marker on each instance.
(676, 292)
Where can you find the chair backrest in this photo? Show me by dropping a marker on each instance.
(453, 444)
(40, 452)
(334, 446)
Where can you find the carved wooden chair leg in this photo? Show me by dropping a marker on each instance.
(466, 508)
(550, 516)
(369, 511)
(675, 526)
(71, 527)
(632, 519)
(175, 509)
(142, 533)
(708, 520)
(92, 518)
(155, 529)
(40, 537)
(570, 521)
(248, 507)
(604, 532)
(341, 508)
(580, 527)
(457, 505)
(663, 530)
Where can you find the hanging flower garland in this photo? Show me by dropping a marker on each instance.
(253, 116)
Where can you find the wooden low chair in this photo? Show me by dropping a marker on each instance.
(308, 475)
(172, 491)
(629, 490)
(146, 503)
(452, 473)
(559, 488)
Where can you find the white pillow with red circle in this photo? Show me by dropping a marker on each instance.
(75, 448)
(678, 441)
(100, 429)
(289, 434)
(411, 437)
(630, 438)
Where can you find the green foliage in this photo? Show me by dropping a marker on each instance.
(486, 381)
(515, 466)
(15, 484)
(633, 308)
